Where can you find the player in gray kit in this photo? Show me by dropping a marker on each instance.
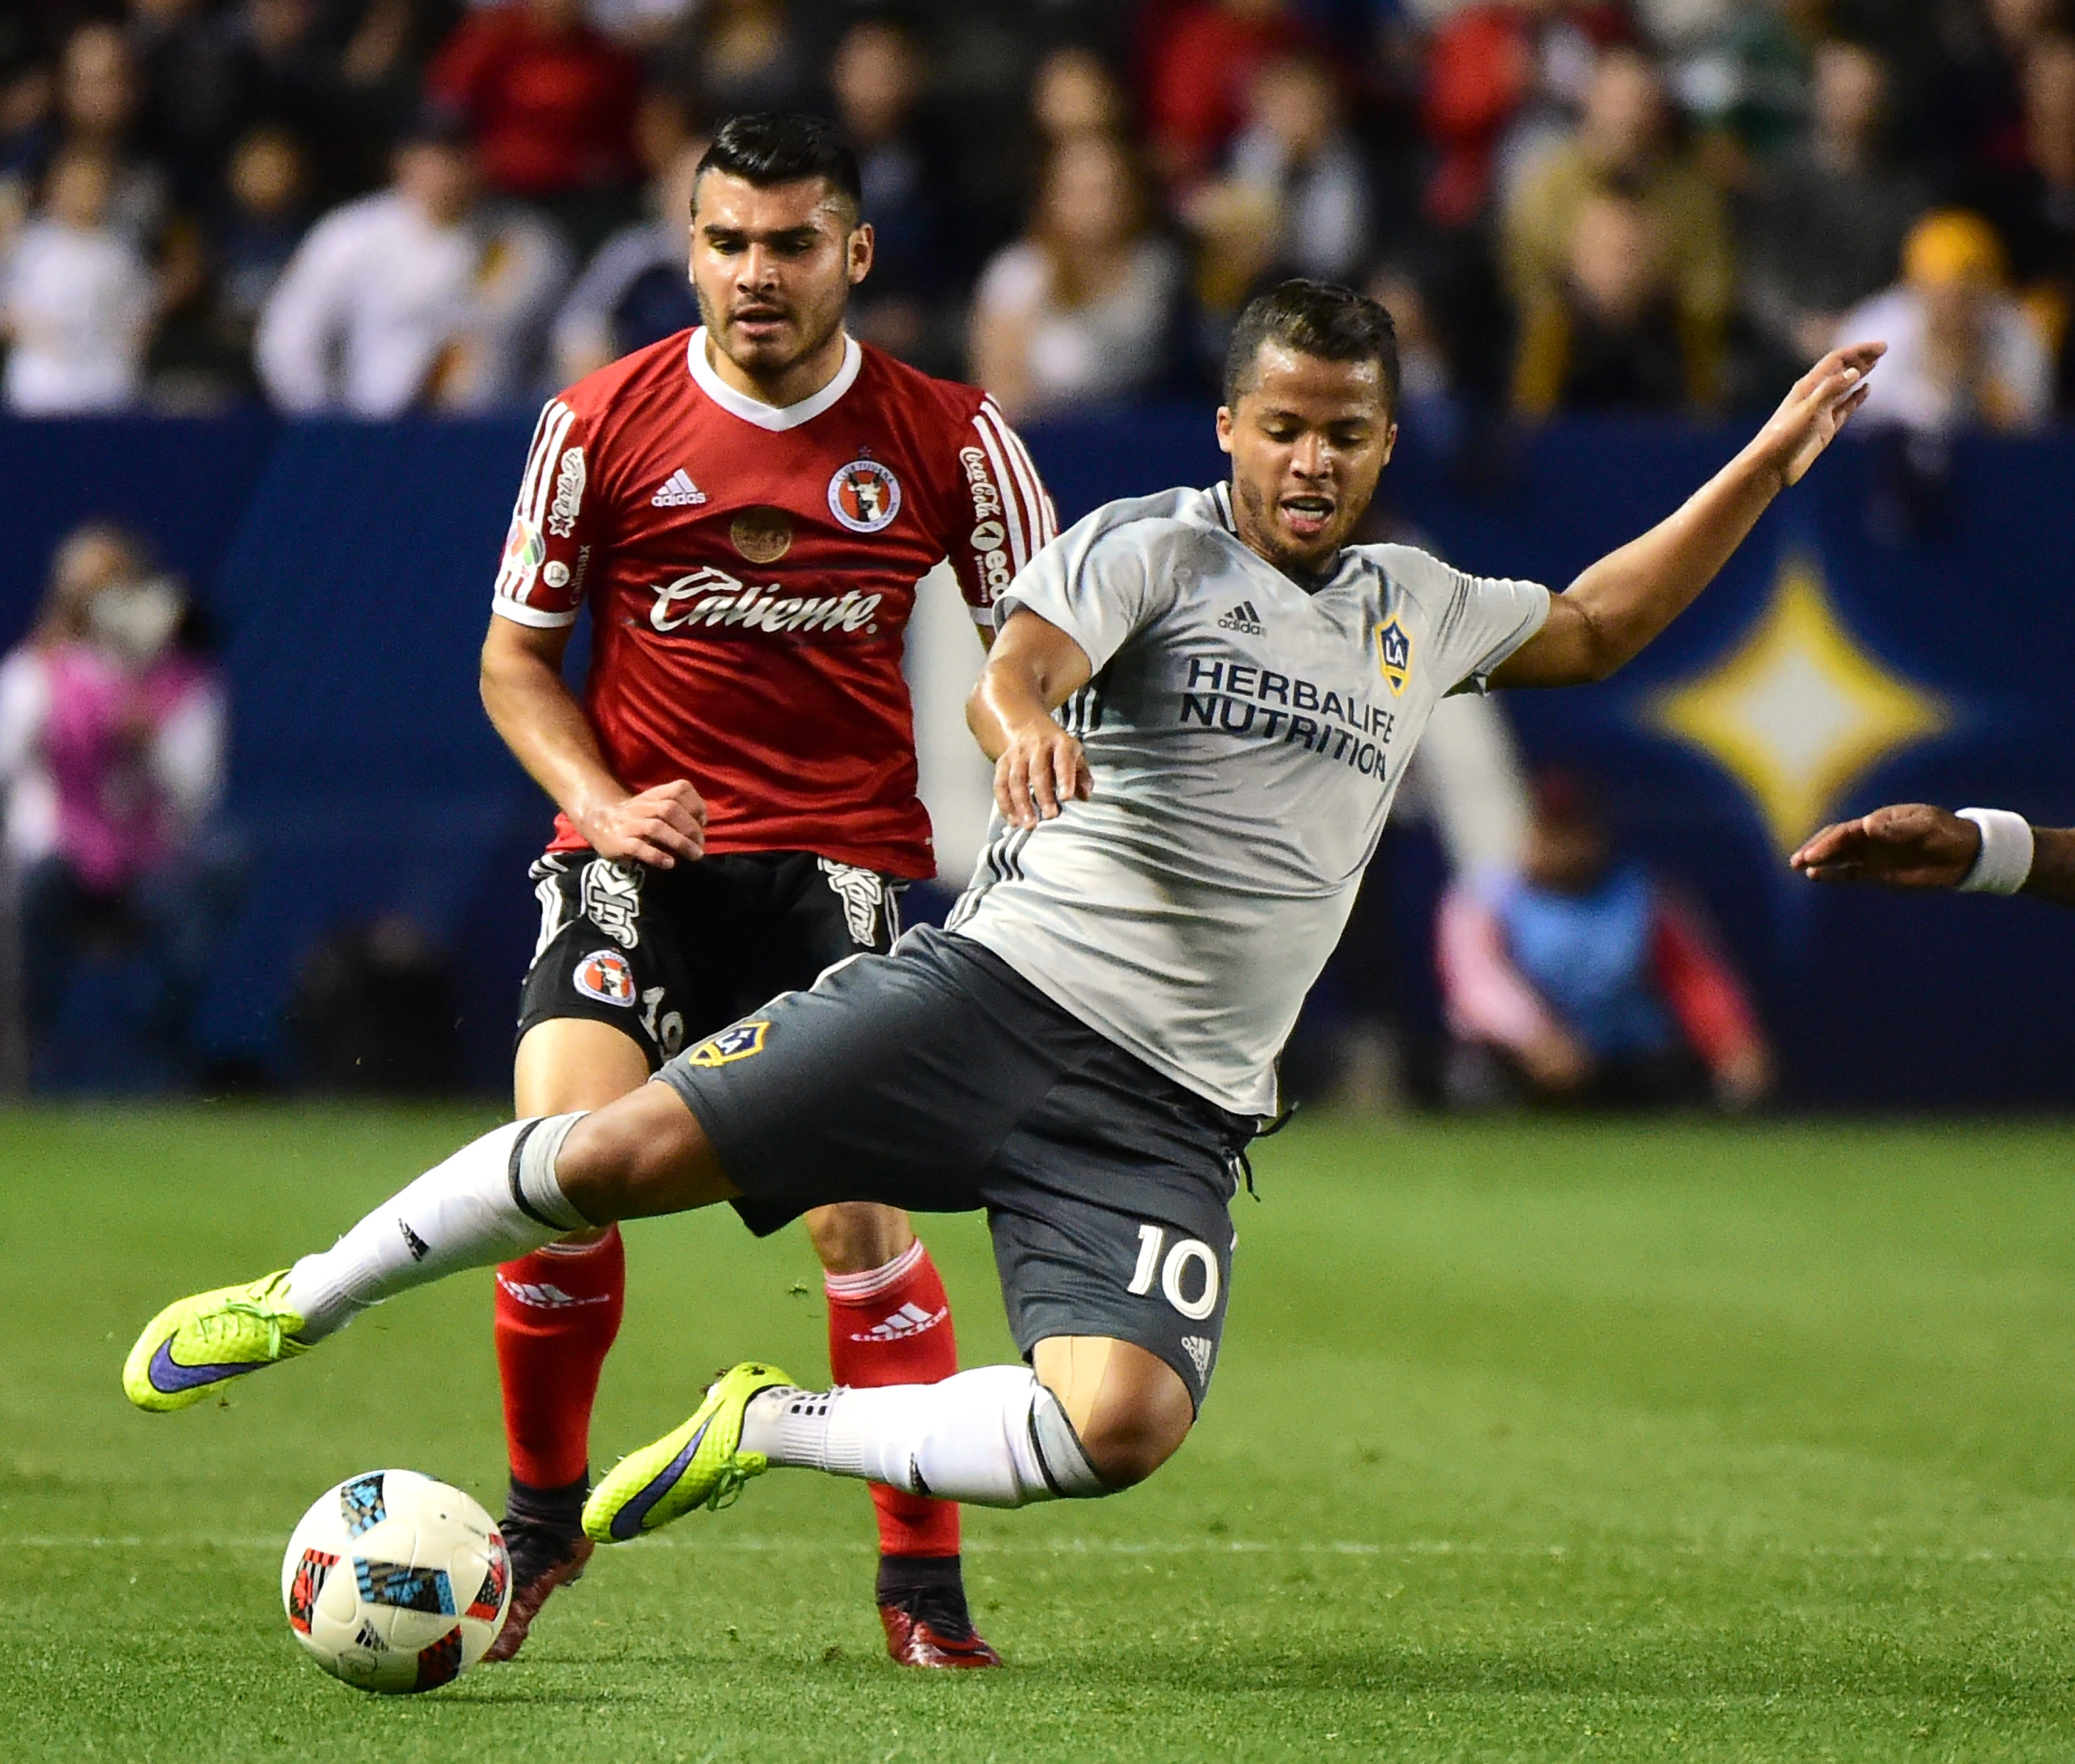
(1200, 705)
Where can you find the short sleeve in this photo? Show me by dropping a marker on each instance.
(1096, 582)
(549, 546)
(1012, 518)
(1474, 622)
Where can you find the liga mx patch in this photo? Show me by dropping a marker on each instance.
(1394, 654)
(865, 496)
(740, 1041)
(604, 974)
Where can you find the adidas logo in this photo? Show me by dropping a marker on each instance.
(1243, 618)
(910, 1319)
(417, 1245)
(678, 491)
(541, 1296)
(1201, 1350)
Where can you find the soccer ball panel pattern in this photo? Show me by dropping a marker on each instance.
(374, 1577)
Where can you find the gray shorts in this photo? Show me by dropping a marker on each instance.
(938, 1079)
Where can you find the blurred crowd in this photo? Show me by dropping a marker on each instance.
(376, 205)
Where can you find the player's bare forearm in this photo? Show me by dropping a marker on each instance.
(538, 718)
(1033, 667)
(1616, 607)
(1915, 845)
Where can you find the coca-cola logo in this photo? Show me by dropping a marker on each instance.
(711, 599)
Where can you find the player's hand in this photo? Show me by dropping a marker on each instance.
(657, 827)
(1822, 401)
(1906, 845)
(1555, 1062)
(1040, 770)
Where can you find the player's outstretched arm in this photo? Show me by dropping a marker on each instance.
(1032, 669)
(1913, 845)
(532, 707)
(1607, 616)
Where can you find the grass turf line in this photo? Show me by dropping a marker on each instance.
(1584, 1440)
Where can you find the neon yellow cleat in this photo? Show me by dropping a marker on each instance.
(198, 1344)
(700, 1465)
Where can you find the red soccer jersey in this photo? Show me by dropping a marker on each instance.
(750, 572)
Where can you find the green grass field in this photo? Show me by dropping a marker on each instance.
(1541, 1442)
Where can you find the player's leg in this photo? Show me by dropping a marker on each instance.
(557, 1314)
(890, 1318)
(504, 1195)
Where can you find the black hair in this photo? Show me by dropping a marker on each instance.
(767, 147)
(1335, 323)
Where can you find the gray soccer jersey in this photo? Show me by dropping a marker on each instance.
(1246, 737)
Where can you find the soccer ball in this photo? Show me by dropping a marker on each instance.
(396, 1583)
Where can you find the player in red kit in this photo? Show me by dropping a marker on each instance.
(747, 509)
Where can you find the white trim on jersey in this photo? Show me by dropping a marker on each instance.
(775, 418)
(1031, 521)
(548, 434)
(520, 614)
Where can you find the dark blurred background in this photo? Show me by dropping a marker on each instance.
(281, 281)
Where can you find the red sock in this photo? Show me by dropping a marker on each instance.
(893, 1326)
(558, 1313)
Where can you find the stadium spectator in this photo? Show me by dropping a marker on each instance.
(263, 221)
(1961, 351)
(1502, 82)
(551, 102)
(2032, 202)
(1827, 222)
(1083, 310)
(76, 298)
(1574, 977)
(1623, 147)
(423, 295)
(744, 55)
(98, 108)
(1607, 338)
(112, 756)
(1296, 150)
(635, 291)
(1074, 93)
(293, 79)
(1200, 58)
(192, 95)
(1742, 73)
(905, 306)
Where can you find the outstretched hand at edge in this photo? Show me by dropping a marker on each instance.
(1821, 402)
(1906, 845)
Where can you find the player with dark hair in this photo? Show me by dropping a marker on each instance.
(1200, 705)
(748, 508)
(1913, 845)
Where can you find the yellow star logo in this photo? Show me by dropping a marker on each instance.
(1798, 709)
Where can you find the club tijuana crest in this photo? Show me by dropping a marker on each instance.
(865, 496)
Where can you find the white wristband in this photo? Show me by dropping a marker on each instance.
(2006, 855)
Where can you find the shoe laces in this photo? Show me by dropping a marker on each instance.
(728, 1485)
(265, 1315)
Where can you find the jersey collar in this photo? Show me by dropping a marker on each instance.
(1221, 507)
(774, 417)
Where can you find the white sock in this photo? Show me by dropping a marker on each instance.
(492, 1200)
(993, 1437)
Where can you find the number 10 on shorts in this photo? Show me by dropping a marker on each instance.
(1173, 1272)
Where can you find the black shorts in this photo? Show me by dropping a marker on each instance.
(670, 956)
(939, 1080)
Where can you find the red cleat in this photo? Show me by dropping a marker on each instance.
(912, 1639)
(540, 1562)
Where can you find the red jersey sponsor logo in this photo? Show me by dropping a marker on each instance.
(713, 599)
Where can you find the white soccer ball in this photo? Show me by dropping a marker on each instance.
(396, 1583)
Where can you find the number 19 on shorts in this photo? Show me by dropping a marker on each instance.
(1176, 1272)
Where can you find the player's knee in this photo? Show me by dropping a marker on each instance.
(1125, 1449)
(643, 1155)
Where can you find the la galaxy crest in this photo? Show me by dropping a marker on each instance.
(1394, 654)
(738, 1041)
